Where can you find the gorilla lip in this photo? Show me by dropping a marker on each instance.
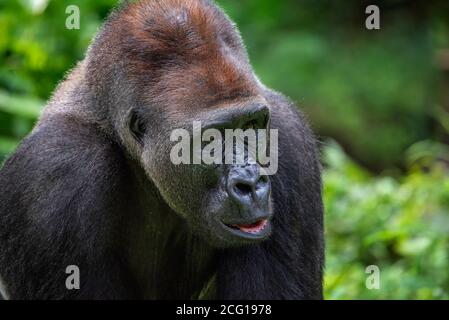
(253, 228)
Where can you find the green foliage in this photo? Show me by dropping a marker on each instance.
(402, 226)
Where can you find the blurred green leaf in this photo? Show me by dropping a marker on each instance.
(21, 106)
(7, 145)
(399, 225)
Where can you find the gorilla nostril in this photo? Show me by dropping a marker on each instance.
(242, 188)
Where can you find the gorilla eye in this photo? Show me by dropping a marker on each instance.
(137, 127)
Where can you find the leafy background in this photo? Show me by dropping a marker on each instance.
(379, 101)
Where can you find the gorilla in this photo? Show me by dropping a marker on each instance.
(93, 186)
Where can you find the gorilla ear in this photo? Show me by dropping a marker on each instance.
(137, 127)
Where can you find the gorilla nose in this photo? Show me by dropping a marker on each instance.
(248, 188)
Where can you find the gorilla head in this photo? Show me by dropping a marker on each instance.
(175, 62)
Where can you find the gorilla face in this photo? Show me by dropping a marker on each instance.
(227, 204)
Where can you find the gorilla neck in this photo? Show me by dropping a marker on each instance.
(169, 260)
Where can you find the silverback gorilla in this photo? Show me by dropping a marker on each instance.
(93, 186)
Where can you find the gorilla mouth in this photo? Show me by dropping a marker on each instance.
(246, 231)
(252, 228)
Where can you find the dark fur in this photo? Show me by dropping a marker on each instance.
(79, 190)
